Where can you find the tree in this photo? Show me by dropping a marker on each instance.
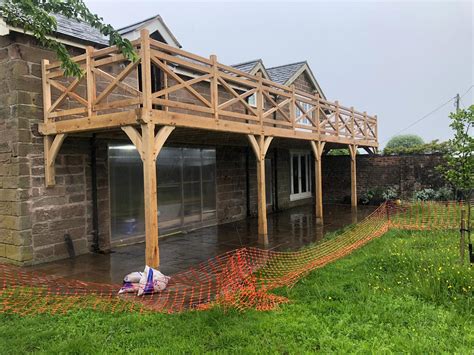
(35, 17)
(459, 167)
(403, 141)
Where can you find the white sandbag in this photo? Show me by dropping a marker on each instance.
(133, 277)
(152, 281)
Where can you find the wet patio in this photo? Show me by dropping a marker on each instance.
(288, 230)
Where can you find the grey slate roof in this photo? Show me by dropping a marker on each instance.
(283, 73)
(80, 30)
(247, 67)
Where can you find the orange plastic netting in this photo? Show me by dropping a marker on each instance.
(241, 278)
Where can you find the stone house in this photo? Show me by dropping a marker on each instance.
(205, 177)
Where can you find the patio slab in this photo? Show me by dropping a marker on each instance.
(288, 230)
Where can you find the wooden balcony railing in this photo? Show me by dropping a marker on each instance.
(174, 87)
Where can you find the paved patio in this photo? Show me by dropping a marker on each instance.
(288, 230)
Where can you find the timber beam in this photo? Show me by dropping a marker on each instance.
(207, 123)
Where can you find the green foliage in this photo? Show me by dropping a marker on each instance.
(34, 16)
(459, 167)
(377, 195)
(426, 148)
(340, 151)
(428, 194)
(403, 141)
(402, 293)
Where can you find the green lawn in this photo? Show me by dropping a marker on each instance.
(402, 292)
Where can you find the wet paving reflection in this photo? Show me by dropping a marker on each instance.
(287, 230)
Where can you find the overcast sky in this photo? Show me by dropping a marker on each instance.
(399, 60)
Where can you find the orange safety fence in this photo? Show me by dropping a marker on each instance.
(242, 278)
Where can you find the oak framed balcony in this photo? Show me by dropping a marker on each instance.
(168, 87)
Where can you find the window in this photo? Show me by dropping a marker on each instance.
(186, 189)
(300, 175)
(304, 121)
(252, 100)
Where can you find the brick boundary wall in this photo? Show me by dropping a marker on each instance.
(408, 172)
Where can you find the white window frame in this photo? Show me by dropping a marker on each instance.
(308, 193)
(252, 100)
(304, 121)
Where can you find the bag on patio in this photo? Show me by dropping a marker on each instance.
(131, 282)
(152, 281)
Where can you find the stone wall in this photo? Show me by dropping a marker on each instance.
(33, 218)
(303, 83)
(408, 173)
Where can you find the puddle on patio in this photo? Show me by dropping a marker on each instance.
(288, 230)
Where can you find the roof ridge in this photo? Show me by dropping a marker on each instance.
(286, 65)
(247, 62)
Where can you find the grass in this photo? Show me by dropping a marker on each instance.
(404, 292)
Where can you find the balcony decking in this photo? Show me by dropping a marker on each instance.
(194, 92)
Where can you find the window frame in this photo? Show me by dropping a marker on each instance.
(308, 193)
(305, 121)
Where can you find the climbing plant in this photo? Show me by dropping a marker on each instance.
(36, 17)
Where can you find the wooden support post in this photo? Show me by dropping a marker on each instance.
(337, 117)
(52, 144)
(152, 256)
(318, 148)
(352, 123)
(214, 87)
(293, 106)
(146, 75)
(90, 81)
(149, 146)
(260, 100)
(260, 149)
(366, 127)
(353, 152)
(318, 114)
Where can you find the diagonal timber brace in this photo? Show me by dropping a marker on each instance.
(52, 144)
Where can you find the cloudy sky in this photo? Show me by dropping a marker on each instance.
(400, 60)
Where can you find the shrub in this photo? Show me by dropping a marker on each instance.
(442, 194)
(426, 148)
(403, 141)
(378, 195)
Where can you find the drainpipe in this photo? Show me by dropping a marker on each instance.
(275, 181)
(247, 180)
(95, 209)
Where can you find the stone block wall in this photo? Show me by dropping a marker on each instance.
(409, 173)
(33, 218)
